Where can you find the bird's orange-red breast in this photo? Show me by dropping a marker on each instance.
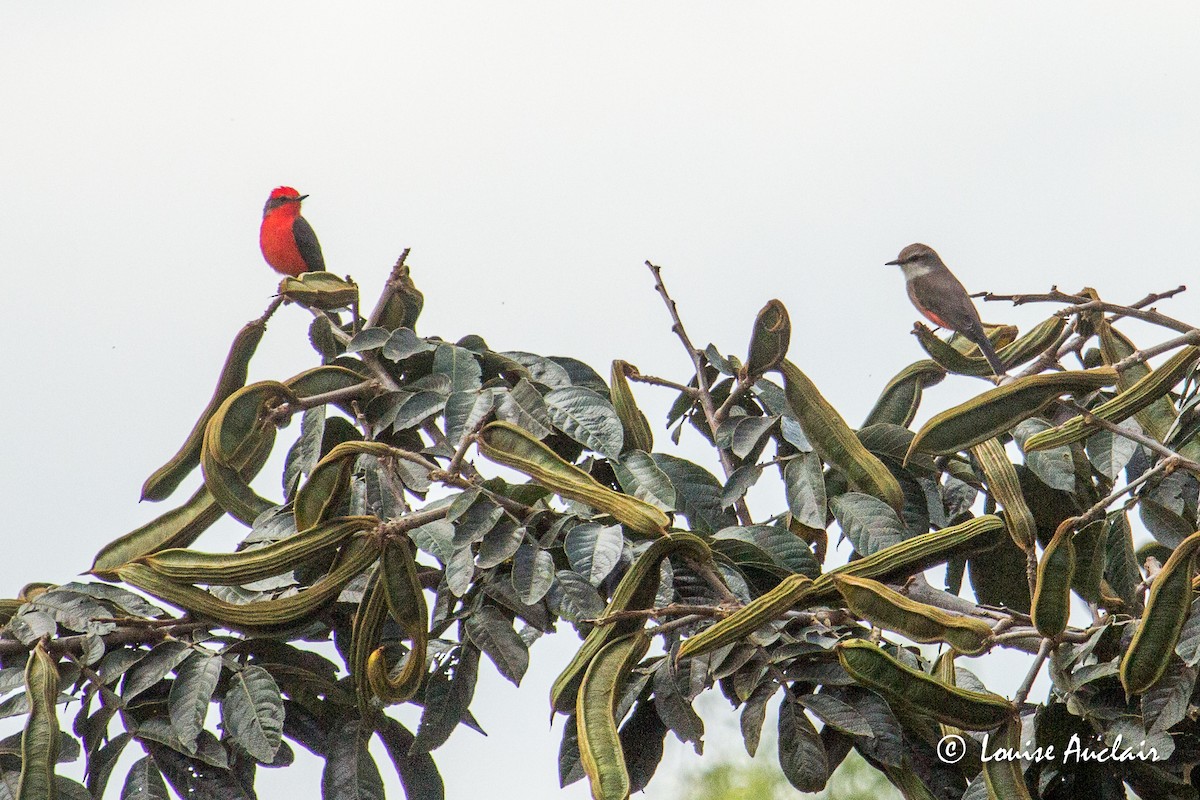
(287, 240)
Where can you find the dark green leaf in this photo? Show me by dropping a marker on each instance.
(593, 550)
(801, 752)
(533, 573)
(1188, 647)
(499, 544)
(804, 484)
(418, 774)
(460, 365)
(306, 452)
(252, 712)
(587, 418)
(541, 370)
(570, 767)
(1054, 465)
(674, 707)
(404, 343)
(837, 714)
(579, 600)
(869, 523)
(144, 782)
(1109, 452)
(350, 772)
(367, 339)
(1166, 703)
(1164, 525)
(192, 690)
(640, 476)
(523, 406)
(698, 493)
(465, 411)
(754, 712)
(493, 633)
(448, 695)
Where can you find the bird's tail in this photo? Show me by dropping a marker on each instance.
(989, 352)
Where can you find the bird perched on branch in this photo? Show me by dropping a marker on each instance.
(938, 295)
(287, 240)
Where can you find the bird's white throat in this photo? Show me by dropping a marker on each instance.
(914, 269)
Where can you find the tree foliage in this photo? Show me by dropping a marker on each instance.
(444, 505)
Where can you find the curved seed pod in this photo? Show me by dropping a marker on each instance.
(406, 604)
(920, 692)
(1147, 391)
(514, 447)
(637, 430)
(1158, 417)
(327, 378)
(835, 443)
(329, 481)
(9, 609)
(322, 290)
(234, 569)
(404, 301)
(39, 742)
(906, 779)
(264, 616)
(1006, 489)
(1003, 776)
(636, 590)
(1017, 352)
(889, 564)
(920, 622)
(599, 742)
(997, 410)
(901, 397)
(1052, 592)
(1167, 609)
(166, 479)
(943, 670)
(176, 528)
(769, 341)
(364, 639)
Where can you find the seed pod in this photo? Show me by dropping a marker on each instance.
(920, 622)
(893, 563)
(637, 430)
(1003, 776)
(322, 290)
(1152, 387)
(264, 616)
(364, 638)
(245, 566)
(1052, 592)
(769, 341)
(636, 590)
(599, 741)
(328, 378)
(943, 670)
(1158, 631)
(1005, 488)
(329, 481)
(514, 447)
(920, 693)
(1157, 418)
(166, 479)
(999, 410)
(835, 442)
(403, 304)
(39, 742)
(1017, 352)
(406, 604)
(898, 402)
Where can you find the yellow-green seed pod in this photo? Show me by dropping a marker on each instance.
(835, 442)
(1016, 352)
(1167, 609)
(39, 741)
(515, 447)
(885, 608)
(1005, 488)
(406, 604)
(898, 402)
(999, 410)
(1052, 592)
(599, 743)
(1003, 776)
(920, 692)
(322, 290)
(637, 430)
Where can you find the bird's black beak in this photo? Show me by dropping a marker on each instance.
(895, 263)
(301, 197)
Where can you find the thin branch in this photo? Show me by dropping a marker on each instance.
(1038, 660)
(150, 632)
(1053, 296)
(347, 392)
(672, 610)
(705, 396)
(638, 377)
(1137, 436)
(1151, 316)
(395, 527)
(714, 581)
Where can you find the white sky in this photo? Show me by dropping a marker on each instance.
(533, 156)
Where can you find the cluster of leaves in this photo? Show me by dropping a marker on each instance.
(443, 502)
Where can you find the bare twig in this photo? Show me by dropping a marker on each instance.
(1038, 660)
(357, 390)
(638, 377)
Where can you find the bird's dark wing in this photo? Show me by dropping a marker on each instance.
(307, 244)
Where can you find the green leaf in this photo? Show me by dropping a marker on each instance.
(1166, 703)
(418, 773)
(779, 545)
(523, 406)
(801, 752)
(837, 714)
(448, 695)
(1120, 563)
(1188, 647)
(532, 574)
(435, 538)
(460, 365)
(541, 370)
(1054, 465)
(742, 434)
(480, 517)
(579, 600)
(144, 782)
(640, 476)
(409, 410)
(1167, 527)
(306, 452)
(804, 484)
(674, 707)
(350, 772)
(191, 692)
(869, 523)
(493, 633)
(465, 411)
(157, 664)
(740, 482)
(404, 343)
(698, 493)
(570, 766)
(367, 339)
(593, 550)
(460, 571)
(252, 712)
(887, 746)
(1109, 453)
(754, 713)
(587, 418)
(499, 544)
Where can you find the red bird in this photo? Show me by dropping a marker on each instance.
(287, 240)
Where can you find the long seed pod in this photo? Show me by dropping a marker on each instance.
(638, 435)
(364, 637)
(235, 569)
(635, 591)
(1156, 419)
(1158, 631)
(1003, 776)
(899, 400)
(1006, 489)
(264, 616)
(920, 692)
(834, 441)
(599, 740)
(514, 447)
(39, 742)
(1151, 388)
(329, 481)
(998, 410)
(166, 479)
(893, 563)
(1052, 591)
(406, 604)
(886, 608)
(1017, 352)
